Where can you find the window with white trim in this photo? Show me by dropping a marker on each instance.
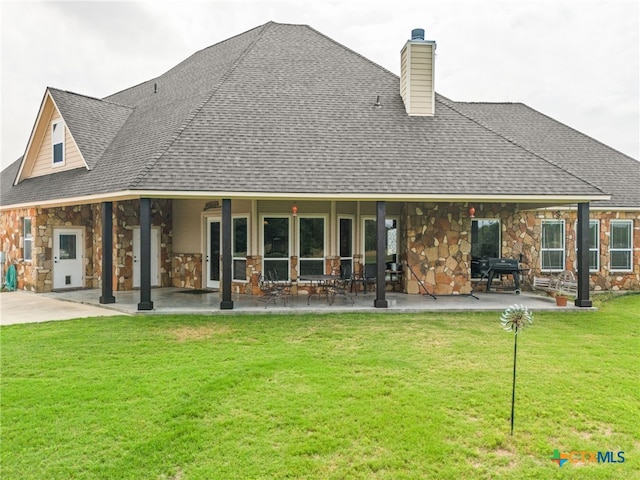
(239, 242)
(621, 245)
(27, 239)
(57, 142)
(311, 245)
(275, 243)
(552, 247)
(594, 245)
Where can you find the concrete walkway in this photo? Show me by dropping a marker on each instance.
(26, 307)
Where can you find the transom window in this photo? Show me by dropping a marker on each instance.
(485, 244)
(552, 248)
(57, 141)
(276, 247)
(312, 245)
(621, 245)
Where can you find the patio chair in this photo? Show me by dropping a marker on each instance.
(346, 272)
(285, 286)
(270, 290)
(340, 286)
(370, 276)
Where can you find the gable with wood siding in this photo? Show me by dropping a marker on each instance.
(39, 156)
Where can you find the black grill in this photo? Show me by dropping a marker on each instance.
(506, 265)
(503, 266)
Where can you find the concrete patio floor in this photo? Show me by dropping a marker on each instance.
(180, 301)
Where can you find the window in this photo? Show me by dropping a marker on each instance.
(57, 140)
(27, 239)
(620, 245)
(346, 244)
(276, 247)
(552, 248)
(391, 241)
(594, 245)
(312, 251)
(68, 249)
(485, 244)
(239, 246)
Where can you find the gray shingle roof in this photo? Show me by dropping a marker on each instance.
(93, 123)
(285, 109)
(576, 152)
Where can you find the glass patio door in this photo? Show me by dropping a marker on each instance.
(312, 246)
(213, 252)
(276, 247)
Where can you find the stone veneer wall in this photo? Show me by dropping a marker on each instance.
(47, 220)
(437, 237)
(186, 270)
(96, 248)
(127, 216)
(604, 279)
(11, 236)
(439, 244)
(37, 275)
(438, 247)
(40, 279)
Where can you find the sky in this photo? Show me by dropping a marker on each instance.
(574, 60)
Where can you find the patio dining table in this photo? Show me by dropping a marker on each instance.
(321, 282)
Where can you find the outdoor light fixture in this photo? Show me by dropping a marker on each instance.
(558, 214)
(377, 104)
(294, 210)
(472, 212)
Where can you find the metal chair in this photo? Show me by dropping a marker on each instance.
(285, 286)
(271, 290)
(370, 275)
(342, 285)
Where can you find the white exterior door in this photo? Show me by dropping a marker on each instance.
(68, 258)
(213, 252)
(155, 257)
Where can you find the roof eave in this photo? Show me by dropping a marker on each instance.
(244, 195)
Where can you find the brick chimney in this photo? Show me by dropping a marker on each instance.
(417, 74)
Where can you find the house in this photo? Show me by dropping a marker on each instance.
(281, 150)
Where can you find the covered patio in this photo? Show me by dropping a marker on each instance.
(183, 301)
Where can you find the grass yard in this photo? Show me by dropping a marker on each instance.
(321, 396)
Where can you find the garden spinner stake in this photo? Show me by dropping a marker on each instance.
(515, 318)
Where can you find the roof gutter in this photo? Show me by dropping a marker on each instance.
(551, 200)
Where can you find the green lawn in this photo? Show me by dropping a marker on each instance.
(320, 396)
